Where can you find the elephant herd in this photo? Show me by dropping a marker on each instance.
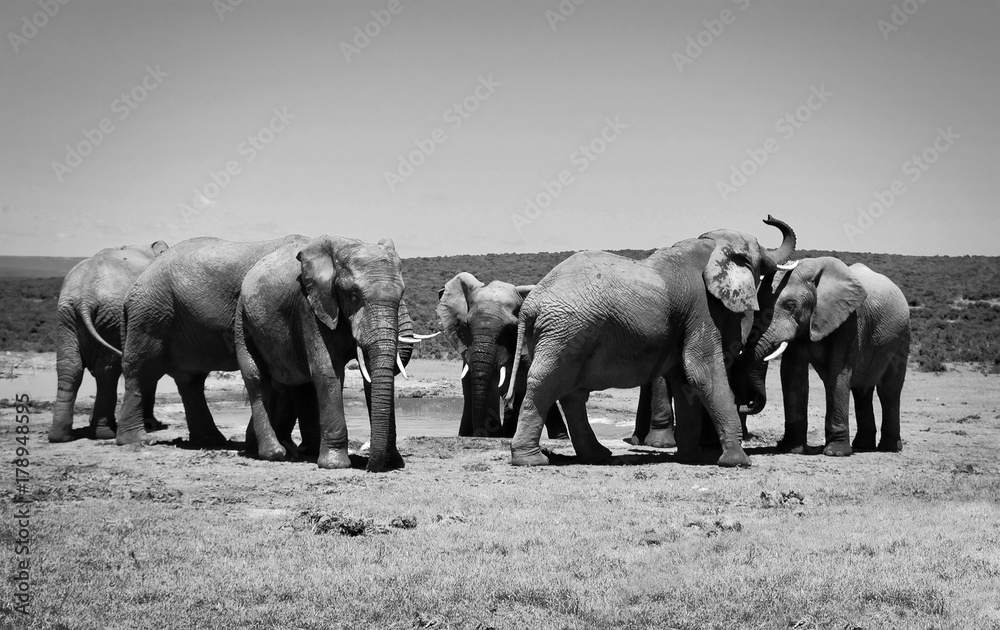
(694, 325)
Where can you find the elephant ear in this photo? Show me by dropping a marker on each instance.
(158, 248)
(838, 294)
(318, 274)
(453, 307)
(729, 276)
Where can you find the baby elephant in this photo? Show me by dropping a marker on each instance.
(853, 326)
(304, 311)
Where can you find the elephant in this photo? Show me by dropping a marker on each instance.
(89, 317)
(480, 321)
(598, 321)
(304, 311)
(853, 326)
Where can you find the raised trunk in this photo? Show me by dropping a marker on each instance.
(379, 345)
(783, 252)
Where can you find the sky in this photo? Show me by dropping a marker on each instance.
(470, 126)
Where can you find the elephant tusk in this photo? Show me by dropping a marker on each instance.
(409, 340)
(776, 353)
(422, 337)
(788, 266)
(399, 364)
(503, 375)
(361, 365)
(465, 370)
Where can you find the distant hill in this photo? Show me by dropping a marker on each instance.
(36, 266)
(954, 300)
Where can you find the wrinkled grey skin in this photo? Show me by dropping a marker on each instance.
(598, 321)
(178, 320)
(303, 313)
(90, 313)
(853, 326)
(480, 321)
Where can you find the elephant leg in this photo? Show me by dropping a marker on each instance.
(307, 411)
(838, 402)
(890, 390)
(705, 368)
(687, 423)
(643, 414)
(260, 431)
(465, 427)
(201, 425)
(140, 394)
(795, 395)
(511, 414)
(708, 438)
(661, 421)
(864, 411)
(588, 449)
(544, 384)
(69, 370)
(554, 425)
(283, 417)
(102, 420)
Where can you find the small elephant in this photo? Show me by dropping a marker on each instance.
(654, 419)
(480, 321)
(853, 326)
(598, 321)
(304, 311)
(90, 314)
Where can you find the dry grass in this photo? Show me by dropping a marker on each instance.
(164, 537)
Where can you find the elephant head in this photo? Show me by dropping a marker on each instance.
(480, 321)
(359, 285)
(810, 299)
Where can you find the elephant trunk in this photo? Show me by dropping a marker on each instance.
(482, 359)
(379, 347)
(405, 330)
(750, 377)
(783, 252)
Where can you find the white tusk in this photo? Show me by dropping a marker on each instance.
(465, 370)
(410, 340)
(361, 365)
(503, 375)
(399, 364)
(422, 337)
(776, 353)
(788, 266)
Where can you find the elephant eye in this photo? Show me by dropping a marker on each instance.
(790, 305)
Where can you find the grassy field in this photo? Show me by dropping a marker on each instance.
(167, 537)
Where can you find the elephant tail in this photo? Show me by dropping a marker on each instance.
(508, 399)
(88, 322)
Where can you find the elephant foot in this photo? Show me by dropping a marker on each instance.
(271, 452)
(134, 436)
(733, 455)
(333, 458)
(661, 438)
(152, 424)
(635, 440)
(891, 446)
(103, 432)
(209, 440)
(392, 461)
(529, 458)
(838, 449)
(594, 455)
(863, 443)
(793, 446)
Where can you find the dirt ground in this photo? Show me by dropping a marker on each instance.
(950, 428)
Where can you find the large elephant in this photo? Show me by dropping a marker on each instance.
(480, 321)
(90, 313)
(598, 320)
(853, 326)
(304, 311)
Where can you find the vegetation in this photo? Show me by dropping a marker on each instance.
(955, 314)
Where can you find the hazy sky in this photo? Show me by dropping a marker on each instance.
(629, 124)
